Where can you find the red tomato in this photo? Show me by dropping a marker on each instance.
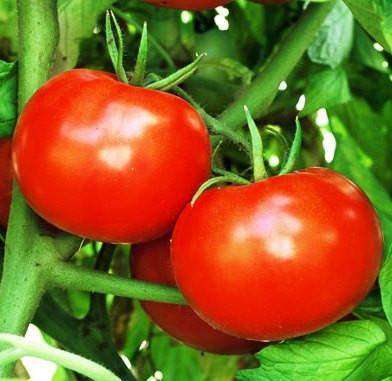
(279, 258)
(109, 161)
(151, 262)
(196, 5)
(5, 180)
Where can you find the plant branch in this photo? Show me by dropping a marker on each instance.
(69, 276)
(261, 93)
(22, 283)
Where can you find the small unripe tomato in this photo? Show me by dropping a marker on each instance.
(196, 5)
(151, 262)
(280, 258)
(108, 161)
(5, 180)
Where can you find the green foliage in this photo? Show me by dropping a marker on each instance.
(8, 105)
(375, 16)
(334, 40)
(337, 353)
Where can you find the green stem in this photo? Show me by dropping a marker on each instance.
(22, 282)
(68, 276)
(82, 337)
(66, 359)
(261, 93)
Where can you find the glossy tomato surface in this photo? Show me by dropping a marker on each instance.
(109, 161)
(279, 258)
(5, 180)
(197, 5)
(151, 262)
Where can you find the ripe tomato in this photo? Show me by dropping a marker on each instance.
(279, 258)
(151, 262)
(196, 5)
(5, 180)
(109, 161)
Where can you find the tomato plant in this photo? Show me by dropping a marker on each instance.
(6, 180)
(117, 163)
(295, 253)
(151, 262)
(189, 4)
(242, 126)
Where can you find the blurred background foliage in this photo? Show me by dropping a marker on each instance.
(341, 90)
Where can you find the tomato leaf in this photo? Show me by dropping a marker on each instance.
(8, 96)
(334, 40)
(365, 53)
(386, 286)
(367, 127)
(375, 16)
(325, 89)
(351, 160)
(330, 355)
(77, 20)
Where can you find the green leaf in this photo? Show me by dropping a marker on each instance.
(371, 133)
(376, 18)
(8, 97)
(141, 61)
(295, 150)
(325, 89)
(77, 21)
(259, 171)
(334, 40)
(386, 286)
(115, 45)
(330, 355)
(365, 53)
(356, 165)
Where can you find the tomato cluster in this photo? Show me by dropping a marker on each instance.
(268, 261)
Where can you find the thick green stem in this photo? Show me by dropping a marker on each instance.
(68, 276)
(23, 282)
(261, 93)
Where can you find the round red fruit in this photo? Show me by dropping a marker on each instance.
(151, 262)
(109, 161)
(279, 258)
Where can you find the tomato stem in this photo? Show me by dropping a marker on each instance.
(261, 93)
(23, 280)
(228, 178)
(69, 276)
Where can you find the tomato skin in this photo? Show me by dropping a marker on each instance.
(5, 180)
(292, 253)
(195, 5)
(151, 262)
(109, 161)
